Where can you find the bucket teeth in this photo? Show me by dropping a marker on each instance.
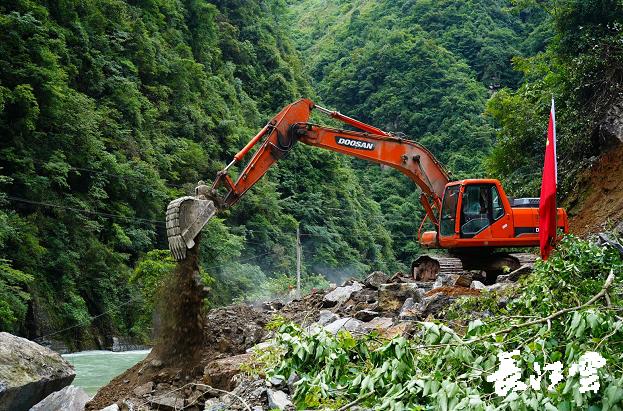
(185, 218)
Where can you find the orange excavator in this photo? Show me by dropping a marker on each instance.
(473, 218)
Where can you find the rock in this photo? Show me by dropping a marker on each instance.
(478, 275)
(393, 296)
(252, 389)
(435, 303)
(604, 239)
(111, 407)
(378, 324)
(155, 363)
(29, 372)
(366, 315)
(452, 280)
(515, 275)
(424, 268)
(276, 382)
(214, 404)
(293, 379)
(341, 294)
(70, 398)
(327, 317)
(195, 396)
(410, 310)
(347, 323)
(278, 399)
(477, 285)
(610, 130)
(144, 389)
(220, 373)
(167, 403)
(375, 279)
(499, 287)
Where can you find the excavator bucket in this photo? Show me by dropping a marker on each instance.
(186, 216)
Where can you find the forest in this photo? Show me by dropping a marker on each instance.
(110, 109)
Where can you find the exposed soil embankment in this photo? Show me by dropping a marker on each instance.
(596, 204)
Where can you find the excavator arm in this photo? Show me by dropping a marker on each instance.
(187, 215)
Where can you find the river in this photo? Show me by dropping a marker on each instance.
(94, 369)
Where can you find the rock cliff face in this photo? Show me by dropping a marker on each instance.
(610, 131)
(29, 372)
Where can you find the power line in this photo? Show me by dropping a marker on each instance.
(89, 321)
(106, 173)
(81, 210)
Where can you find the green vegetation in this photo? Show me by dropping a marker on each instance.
(581, 68)
(110, 109)
(422, 68)
(444, 369)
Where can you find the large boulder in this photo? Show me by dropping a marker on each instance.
(70, 398)
(29, 372)
(392, 296)
(220, 373)
(375, 279)
(341, 294)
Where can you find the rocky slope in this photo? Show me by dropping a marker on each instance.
(234, 334)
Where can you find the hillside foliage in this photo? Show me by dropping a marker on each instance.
(110, 109)
(582, 69)
(449, 369)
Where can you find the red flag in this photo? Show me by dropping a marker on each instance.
(547, 203)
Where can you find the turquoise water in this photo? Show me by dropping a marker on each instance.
(94, 369)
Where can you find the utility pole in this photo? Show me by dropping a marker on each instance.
(298, 262)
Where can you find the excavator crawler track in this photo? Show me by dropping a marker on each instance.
(427, 267)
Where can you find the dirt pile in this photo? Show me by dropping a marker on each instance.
(596, 203)
(216, 381)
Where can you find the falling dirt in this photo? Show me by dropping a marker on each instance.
(179, 343)
(179, 336)
(597, 202)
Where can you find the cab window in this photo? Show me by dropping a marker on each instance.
(482, 206)
(448, 211)
(497, 206)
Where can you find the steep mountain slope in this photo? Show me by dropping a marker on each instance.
(425, 69)
(110, 109)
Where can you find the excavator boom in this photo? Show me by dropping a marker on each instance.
(471, 217)
(187, 215)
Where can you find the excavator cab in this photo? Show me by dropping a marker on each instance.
(477, 213)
